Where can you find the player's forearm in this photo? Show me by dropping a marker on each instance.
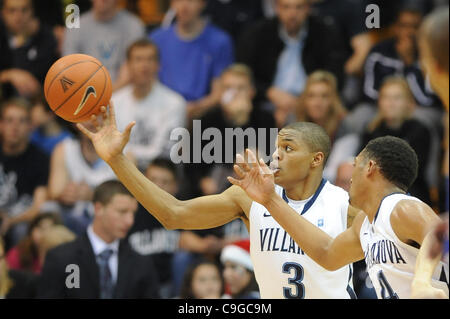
(313, 241)
(425, 264)
(159, 203)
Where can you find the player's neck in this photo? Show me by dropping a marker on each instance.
(375, 196)
(305, 189)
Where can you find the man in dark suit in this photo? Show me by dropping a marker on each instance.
(98, 264)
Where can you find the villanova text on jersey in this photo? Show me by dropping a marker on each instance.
(277, 239)
(383, 251)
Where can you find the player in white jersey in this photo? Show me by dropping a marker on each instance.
(285, 262)
(300, 156)
(385, 233)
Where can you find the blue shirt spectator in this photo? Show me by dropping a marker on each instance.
(190, 66)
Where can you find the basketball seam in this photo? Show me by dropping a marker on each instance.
(99, 99)
(82, 84)
(56, 76)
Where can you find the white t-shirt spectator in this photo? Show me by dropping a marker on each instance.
(107, 41)
(156, 116)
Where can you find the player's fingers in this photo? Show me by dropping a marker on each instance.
(127, 131)
(85, 130)
(234, 181)
(104, 113)
(239, 172)
(264, 168)
(251, 158)
(240, 161)
(112, 114)
(95, 122)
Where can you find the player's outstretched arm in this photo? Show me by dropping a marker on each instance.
(199, 213)
(257, 180)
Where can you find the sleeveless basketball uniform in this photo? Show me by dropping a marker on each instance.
(390, 262)
(282, 269)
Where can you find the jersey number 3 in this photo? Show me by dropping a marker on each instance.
(299, 291)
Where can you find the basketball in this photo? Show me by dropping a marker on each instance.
(76, 86)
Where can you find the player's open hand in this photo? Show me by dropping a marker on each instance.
(106, 138)
(254, 177)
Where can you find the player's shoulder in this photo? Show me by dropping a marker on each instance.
(336, 192)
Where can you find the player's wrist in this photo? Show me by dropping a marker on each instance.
(271, 201)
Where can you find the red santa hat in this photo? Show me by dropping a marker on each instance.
(239, 253)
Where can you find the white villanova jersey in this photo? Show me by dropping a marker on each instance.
(391, 262)
(282, 269)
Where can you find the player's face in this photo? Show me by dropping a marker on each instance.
(292, 159)
(344, 176)
(318, 99)
(188, 11)
(236, 277)
(143, 65)
(393, 103)
(292, 13)
(14, 126)
(206, 282)
(116, 217)
(163, 178)
(17, 14)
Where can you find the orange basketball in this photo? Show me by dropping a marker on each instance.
(76, 86)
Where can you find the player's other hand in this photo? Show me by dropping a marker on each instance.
(108, 141)
(254, 177)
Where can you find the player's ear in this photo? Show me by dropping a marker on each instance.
(318, 159)
(371, 167)
(98, 208)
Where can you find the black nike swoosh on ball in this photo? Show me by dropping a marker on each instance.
(89, 90)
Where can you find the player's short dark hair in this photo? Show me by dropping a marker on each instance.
(396, 158)
(165, 163)
(142, 43)
(105, 191)
(315, 137)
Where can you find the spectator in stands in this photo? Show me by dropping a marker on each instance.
(320, 103)
(75, 171)
(348, 17)
(105, 32)
(234, 16)
(27, 50)
(236, 110)
(282, 51)
(23, 171)
(399, 55)
(109, 268)
(240, 281)
(202, 280)
(193, 55)
(15, 284)
(28, 254)
(394, 117)
(156, 109)
(148, 237)
(48, 129)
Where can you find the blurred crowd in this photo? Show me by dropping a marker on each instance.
(258, 64)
